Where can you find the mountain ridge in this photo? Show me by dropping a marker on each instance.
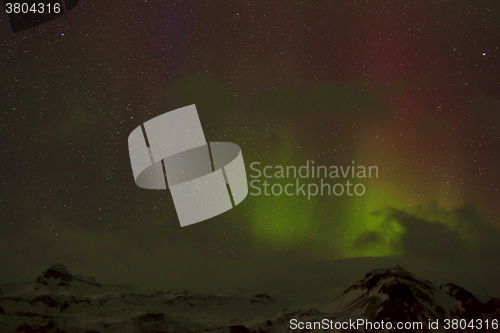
(62, 302)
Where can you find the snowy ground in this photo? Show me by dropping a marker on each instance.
(62, 302)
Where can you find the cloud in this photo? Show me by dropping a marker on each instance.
(431, 240)
(433, 230)
(367, 239)
(452, 245)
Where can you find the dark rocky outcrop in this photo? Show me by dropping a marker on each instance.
(63, 276)
(56, 271)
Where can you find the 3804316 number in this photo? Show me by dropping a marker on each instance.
(454, 324)
(35, 8)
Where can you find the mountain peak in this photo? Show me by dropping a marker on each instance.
(58, 275)
(384, 280)
(56, 271)
(394, 293)
(395, 271)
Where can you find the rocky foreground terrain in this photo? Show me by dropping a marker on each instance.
(62, 302)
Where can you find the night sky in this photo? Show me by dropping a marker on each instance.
(412, 87)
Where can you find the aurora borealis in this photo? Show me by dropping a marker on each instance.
(412, 87)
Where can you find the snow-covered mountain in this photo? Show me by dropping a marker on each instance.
(394, 295)
(61, 302)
